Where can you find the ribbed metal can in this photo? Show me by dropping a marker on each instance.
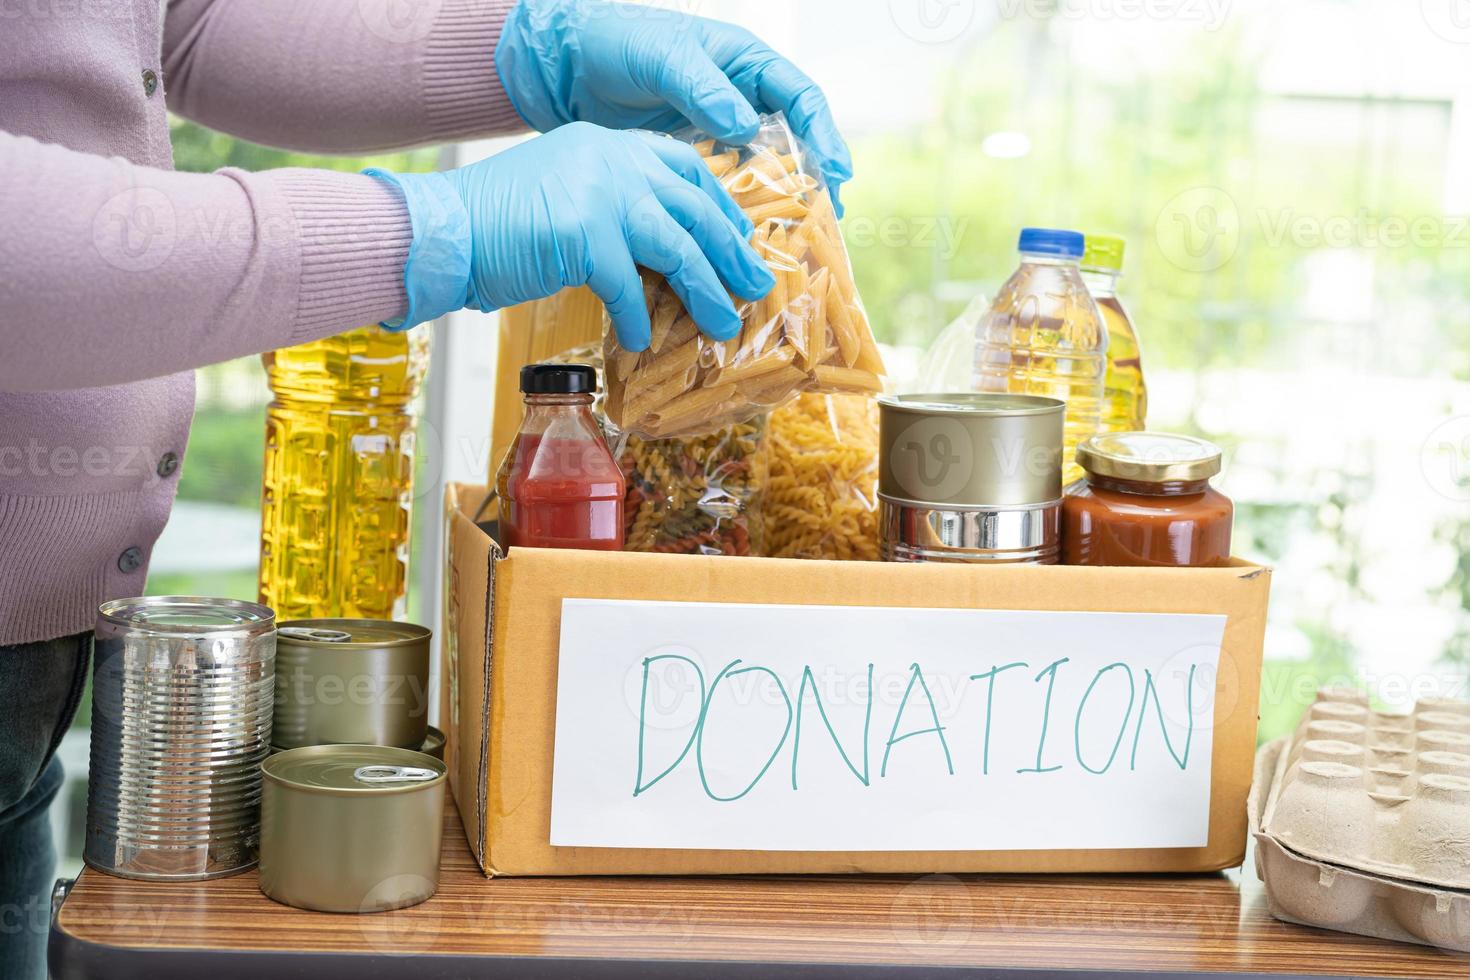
(182, 695)
(351, 828)
(970, 478)
(351, 682)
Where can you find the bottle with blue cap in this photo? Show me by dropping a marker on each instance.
(1044, 335)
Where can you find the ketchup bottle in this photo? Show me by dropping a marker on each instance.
(559, 485)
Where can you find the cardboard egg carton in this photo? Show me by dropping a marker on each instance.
(1362, 820)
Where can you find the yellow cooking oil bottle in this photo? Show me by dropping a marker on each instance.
(1044, 335)
(337, 492)
(1125, 396)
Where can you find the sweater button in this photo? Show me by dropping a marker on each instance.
(130, 561)
(168, 465)
(150, 82)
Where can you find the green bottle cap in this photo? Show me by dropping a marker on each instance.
(1103, 252)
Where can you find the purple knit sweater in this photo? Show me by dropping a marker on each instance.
(119, 276)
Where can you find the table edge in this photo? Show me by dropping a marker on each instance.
(72, 958)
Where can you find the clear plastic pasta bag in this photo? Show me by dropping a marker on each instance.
(701, 494)
(822, 494)
(809, 334)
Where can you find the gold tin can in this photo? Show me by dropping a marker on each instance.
(351, 682)
(351, 828)
(970, 478)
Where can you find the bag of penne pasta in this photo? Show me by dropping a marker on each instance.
(822, 490)
(809, 334)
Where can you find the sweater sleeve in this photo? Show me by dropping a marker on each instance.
(116, 272)
(339, 76)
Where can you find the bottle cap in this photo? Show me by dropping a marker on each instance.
(1052, 241)
(558, 379)
(1104, 253)
(1151, 457)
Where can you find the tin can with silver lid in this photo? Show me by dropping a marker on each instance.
(182, 693)
(351, 828)
(970, 478)
(351, 682)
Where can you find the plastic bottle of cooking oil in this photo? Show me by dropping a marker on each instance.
(1125, 396)
(337, 495)
(1044, 335)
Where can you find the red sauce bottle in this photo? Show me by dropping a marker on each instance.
(559, 485)
(1146, 501)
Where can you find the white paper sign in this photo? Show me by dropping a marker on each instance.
(772, 727)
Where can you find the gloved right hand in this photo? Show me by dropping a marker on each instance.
(581, 205)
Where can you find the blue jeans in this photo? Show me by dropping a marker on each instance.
(40, 685)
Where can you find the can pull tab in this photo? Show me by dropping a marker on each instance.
(393, 774)
(313, 634)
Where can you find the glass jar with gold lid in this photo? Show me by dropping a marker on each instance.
(1146, 500)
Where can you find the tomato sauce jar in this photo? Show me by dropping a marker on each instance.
(1146, 500)
(559, 486)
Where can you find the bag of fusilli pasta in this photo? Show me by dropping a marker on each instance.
(700, 495)
(822, 494)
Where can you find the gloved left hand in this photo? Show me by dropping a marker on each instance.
(627, 66)
(580, 205)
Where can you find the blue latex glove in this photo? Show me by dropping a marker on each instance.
(580, 205)
(633, 67)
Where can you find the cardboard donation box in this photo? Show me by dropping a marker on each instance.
(613, 713)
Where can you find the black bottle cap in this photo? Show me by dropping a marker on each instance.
(558, 379)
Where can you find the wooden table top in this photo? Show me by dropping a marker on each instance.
(867, 926)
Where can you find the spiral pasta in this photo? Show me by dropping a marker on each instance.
(701, 495)
(822, 492)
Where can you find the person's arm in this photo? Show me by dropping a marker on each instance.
(115, 272)
(338, 76)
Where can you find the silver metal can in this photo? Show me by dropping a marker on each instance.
(351, 682)
(182, 691)
(351, 828)
(970, 478)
